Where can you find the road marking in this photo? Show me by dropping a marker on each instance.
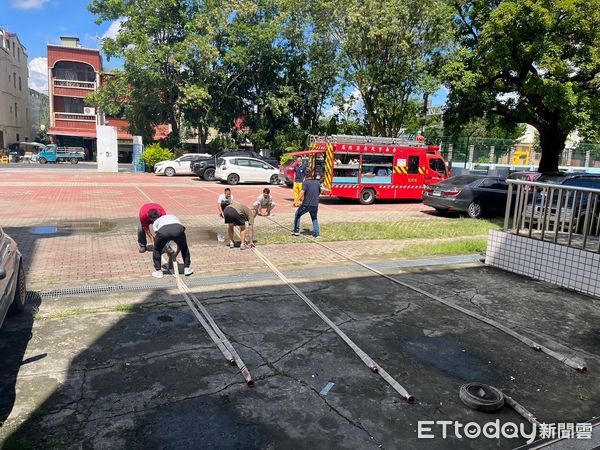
(144, 194)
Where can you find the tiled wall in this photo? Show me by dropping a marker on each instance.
(568, 267)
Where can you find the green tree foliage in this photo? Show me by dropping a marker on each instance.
(390, 51)
(528, 61)
(154, 154)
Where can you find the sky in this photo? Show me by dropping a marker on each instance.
(42, 22)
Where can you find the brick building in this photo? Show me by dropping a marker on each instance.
(73, 73)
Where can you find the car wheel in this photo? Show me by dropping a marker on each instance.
(474, 210)
(42, 160)
(367, 196)
(74, 160)
(274, 179)
(18, 304)
(233, 178)
(169, 171)
(209, 174)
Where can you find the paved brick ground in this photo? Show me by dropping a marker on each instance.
(95, 215)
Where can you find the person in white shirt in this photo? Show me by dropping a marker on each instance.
(168, 227)
(263, 202)
(224, 200)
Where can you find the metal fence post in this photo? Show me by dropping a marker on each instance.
(471, 154)
(492, 157)
(588, 155)
(450, 150)
(511, 157)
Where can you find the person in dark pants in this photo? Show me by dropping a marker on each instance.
(309, 196)
(238, 214)
(168, 228)
(144, 228)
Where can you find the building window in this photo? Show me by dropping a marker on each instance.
(19, 83)
(74, 105)
(19, 54)
(74, 71)
(15, 79)
(9, 78)
(16, 112)
(18, 137)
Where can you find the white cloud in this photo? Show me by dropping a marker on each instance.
(114, 29)
(29, 4)
(38, 74)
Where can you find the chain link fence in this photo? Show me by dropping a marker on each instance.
(476, 152)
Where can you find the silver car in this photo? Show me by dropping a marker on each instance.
(12, 277)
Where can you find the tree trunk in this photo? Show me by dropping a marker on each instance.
(552, 141)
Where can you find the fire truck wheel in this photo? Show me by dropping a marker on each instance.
(474, 210)
(367, 196)
(42, 160)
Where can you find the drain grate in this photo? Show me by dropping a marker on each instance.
(169, 283)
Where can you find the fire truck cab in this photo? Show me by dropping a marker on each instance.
(368, 168)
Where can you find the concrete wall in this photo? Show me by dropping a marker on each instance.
(557, 264)
(13, 90)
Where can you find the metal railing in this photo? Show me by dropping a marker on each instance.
(75, 117)
(564, 215)
(75, 84)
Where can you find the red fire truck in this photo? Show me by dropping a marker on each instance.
(366, 168)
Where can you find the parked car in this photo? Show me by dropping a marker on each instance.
(234, 170)
(179, 166)
(570, 210)
(471, 194)
(286, 173)
(12, 277)
(524, 176)
(205, 168)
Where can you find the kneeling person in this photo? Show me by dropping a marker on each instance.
(238, 214)
(168, 228)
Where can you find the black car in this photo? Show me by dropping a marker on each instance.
(471, 194)
(572, 209)
(205, 167)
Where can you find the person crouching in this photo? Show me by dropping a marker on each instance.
(168, 227)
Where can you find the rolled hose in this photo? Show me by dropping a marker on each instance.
(484, 397)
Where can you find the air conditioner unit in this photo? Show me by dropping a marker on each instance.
(89, 111)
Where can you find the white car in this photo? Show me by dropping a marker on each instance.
(179, 166)
(234, 170)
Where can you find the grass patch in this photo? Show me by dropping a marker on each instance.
(405, 229)
(127, 308)
(456, 247)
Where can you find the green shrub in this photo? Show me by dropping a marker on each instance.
(154, 154)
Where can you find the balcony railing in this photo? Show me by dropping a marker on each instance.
(75, 117)
(75, 84)
(564, 215)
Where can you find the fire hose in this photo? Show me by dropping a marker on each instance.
(575, 363)
(205, 318)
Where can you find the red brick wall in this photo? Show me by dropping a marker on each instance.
(71, 92)
(91, 57)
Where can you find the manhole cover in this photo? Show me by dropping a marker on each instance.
(43, 230)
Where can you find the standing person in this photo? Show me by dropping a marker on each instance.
(300, 169)
(167, 228)
(309, 196)
(224, 200)
(238, 214)
(263, 202)
(144, 226)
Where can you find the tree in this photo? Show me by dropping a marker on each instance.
(166, 47)
(528, 61)
(390, 51)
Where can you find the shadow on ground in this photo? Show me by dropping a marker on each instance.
(136, 370)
